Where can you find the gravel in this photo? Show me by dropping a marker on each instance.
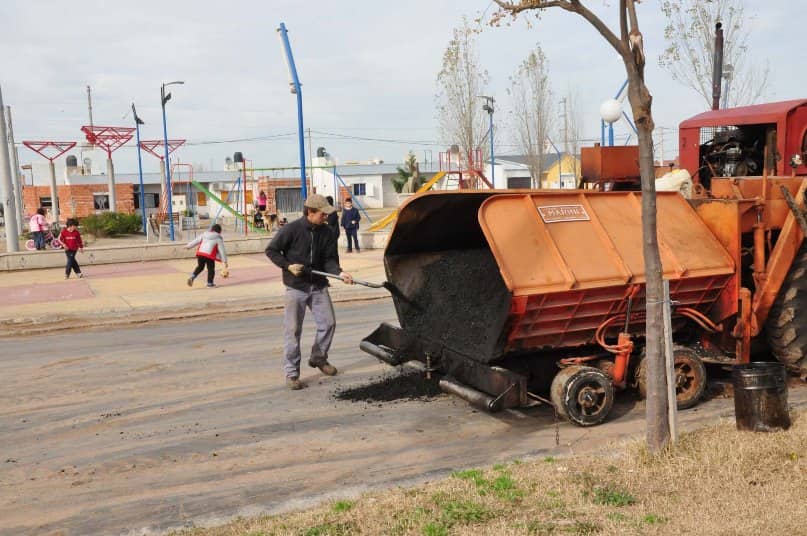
(406, 386)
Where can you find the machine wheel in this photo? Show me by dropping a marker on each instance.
(690, 377)
(583, 395)
(785, 328)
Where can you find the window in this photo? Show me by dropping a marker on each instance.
(45, 202)
(100, 201)
(201, 199)
(519, 182)
(360, 188)
(152, 200)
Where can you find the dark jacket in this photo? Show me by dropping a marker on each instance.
(349, 215)
(313, 246)
(333, 223)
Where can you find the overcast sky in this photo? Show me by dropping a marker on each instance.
(368, 70)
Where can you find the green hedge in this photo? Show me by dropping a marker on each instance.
(111, 224)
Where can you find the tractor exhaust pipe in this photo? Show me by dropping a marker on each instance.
(717, 67)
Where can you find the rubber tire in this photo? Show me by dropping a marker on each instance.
(679, 353)
(785, 328)
(56, 244)
(567, 385)
(30, 245)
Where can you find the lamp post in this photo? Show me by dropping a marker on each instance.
(139, 122)
(165, 97)
(238, 158)
(296, 88)
(488, 107)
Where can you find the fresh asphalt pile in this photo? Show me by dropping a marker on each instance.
(392, 388)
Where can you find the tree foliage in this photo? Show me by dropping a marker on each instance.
(406, 173)
(530, 100)
(689, 54)
(460, 82)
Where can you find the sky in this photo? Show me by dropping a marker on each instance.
(368, 70)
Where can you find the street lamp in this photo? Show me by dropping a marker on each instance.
(139, 122)
(488, 107)
(238, 158)
(165, 97)
(296, 88)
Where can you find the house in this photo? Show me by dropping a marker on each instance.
(561, 170)
(370, 185)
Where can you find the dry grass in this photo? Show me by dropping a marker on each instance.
(716, 481)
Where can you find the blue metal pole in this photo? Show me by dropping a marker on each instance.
(298, 90)
(610, 134)
(140, 171)
(492, 159)
(602, 132)
(167, 172)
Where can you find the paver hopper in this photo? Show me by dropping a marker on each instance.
(495, 290)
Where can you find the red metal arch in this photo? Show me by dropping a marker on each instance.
(151, 146)
(40, 147)
(109, 138)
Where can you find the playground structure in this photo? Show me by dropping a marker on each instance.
(109, 139)
(151, 147)
(465, 169)
(61, 147)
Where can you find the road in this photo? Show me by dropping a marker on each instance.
(142, 429)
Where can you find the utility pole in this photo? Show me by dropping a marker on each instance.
(15, 174)
(309, 157)
(9, 206)
(488, 107)
(565, 126)
(89, 104)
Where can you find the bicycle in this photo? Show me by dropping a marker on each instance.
(50, 242)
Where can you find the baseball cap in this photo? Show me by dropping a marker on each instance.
(320, 203)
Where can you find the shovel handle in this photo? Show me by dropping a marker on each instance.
(356, 281)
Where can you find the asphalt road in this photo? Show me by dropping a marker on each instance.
(142, 429)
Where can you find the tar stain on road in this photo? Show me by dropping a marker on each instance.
(394, 388)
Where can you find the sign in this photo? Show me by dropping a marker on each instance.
(559, 213)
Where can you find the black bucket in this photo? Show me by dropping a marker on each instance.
(760, 397)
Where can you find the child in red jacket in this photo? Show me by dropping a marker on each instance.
(71, 239)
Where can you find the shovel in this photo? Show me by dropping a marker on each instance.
(357, 281)
(386, 284)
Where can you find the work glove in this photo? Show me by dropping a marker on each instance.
(296, 269)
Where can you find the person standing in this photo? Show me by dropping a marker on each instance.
(38, 225)
(299, 247)
(73, 244)
(210, 250)
(333, 219)
(350, 221)
(262, 201)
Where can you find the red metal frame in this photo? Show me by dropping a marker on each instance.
(473, 162)
(150, 146)
(40, 147)
(109, 138)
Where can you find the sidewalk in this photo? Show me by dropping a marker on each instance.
(42, 300)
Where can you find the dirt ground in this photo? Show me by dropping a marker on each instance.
(144, 429)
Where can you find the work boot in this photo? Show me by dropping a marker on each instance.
(324, 367)
(190, 281)
(294, 384)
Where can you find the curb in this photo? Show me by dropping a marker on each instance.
(22, 327)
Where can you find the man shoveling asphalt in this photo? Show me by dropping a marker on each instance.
(300, 247)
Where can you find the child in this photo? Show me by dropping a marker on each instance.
(38, 226)
(210, 250)
(71, 239)
(350, 221)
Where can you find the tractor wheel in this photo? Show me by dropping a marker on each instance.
(690, 377)
(583, 395)
(785, 328)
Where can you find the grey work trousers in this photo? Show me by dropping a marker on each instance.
(319, 301)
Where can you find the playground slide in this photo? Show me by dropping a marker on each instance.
(225, 206)
(380, 224)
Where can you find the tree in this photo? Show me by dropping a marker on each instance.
(572, 127)
(628, 43)
(460, 82)
(689, 56)
(409, 173)
(530, 96)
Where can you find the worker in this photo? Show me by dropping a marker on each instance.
(299, 247)
(333, 219)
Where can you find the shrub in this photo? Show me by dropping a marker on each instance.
(111, 224)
